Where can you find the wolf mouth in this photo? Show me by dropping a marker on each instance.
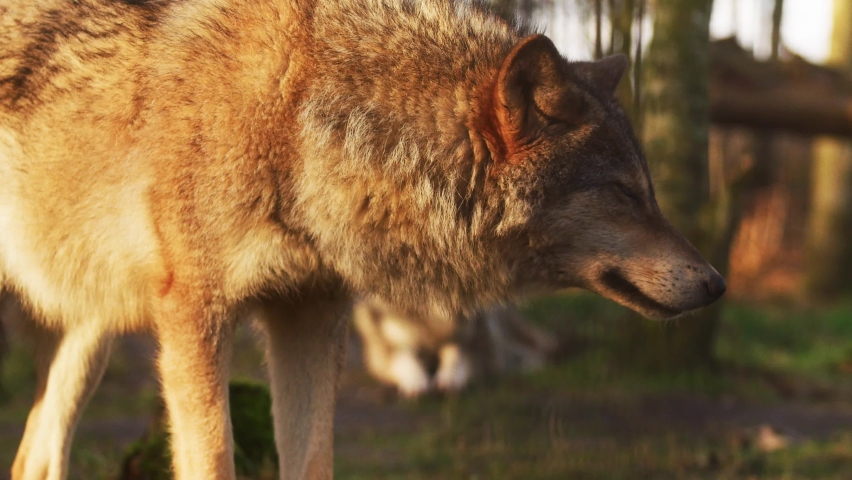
(614, 280)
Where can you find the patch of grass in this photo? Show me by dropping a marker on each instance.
(823, 459)
(591, 416)
(576, 313)
(812, 345)
(472, 441)
(17, 374)
(510, 433)
(801, 341)
(254, 444)
(95, 459)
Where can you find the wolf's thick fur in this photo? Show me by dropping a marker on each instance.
(177, 165)
(419, 354)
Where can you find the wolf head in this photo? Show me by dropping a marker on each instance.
(466, 161)
(566, 145)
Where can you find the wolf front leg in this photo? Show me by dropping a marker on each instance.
(306, 345)
(195, 345)
(69, 367)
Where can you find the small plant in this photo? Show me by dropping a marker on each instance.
(254, 439)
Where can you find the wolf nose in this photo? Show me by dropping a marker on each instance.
(715, 285)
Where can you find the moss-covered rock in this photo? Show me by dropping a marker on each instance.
(254, 440)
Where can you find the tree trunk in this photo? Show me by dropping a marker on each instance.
(759, 185)
(598, 33)
(507, 9)
(791, 95)
(675, 126)
(515, 9)
(777, 10)
(830, 230)
(797, 109)
(621, 36)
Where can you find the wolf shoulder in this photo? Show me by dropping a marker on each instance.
(98, 149)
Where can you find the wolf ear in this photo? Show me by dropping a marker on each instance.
(532, 89)
(605, 73)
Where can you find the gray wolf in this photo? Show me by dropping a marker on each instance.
(417, 355)
(178, 166)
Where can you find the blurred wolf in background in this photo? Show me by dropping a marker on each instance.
(434, 351)
(177, 166)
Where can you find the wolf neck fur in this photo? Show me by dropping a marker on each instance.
(407, 159)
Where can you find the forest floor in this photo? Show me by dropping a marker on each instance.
(778, 406)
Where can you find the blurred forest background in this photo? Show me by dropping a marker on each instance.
(749, 146)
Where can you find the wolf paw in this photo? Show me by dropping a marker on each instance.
(410, 376)
(455, 370)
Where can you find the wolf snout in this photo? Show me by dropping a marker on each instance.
(715, 285)
(684, 288)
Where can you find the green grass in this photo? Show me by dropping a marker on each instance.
(591, 416)
(517, 431)
(583, 418)
(805, 341)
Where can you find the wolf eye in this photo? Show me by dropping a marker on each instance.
(628, 194)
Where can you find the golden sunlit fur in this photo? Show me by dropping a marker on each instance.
(176, 166)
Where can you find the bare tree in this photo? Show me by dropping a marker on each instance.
(777, 9)
(598, 25)
(675, 127)
(830, 229)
